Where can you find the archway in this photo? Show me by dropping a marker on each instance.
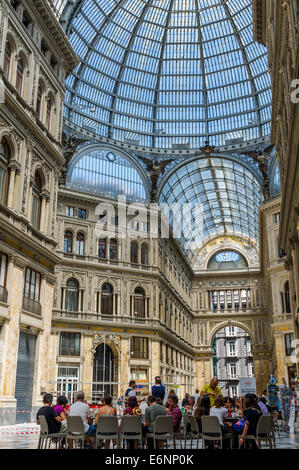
(232, 359)
(104, 372)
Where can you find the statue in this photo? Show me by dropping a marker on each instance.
(69, 148)
(154, 169)
(261, 158)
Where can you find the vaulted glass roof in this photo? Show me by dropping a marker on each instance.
(167, 72)
(228, 193)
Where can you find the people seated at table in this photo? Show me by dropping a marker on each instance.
(133, 408)
(131, 392)
(152, 411)
(175, 412)
(262, 402)
(202, 409)
(221, 412)
(185, 401)
(106, 410)
(54, 421)
(251, 418)
(191, 405)
(79, 408)
(229, 405)
(60, 409)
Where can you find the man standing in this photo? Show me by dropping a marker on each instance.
(131, 392)
(212, 390)
(79, 408)
(158, 390)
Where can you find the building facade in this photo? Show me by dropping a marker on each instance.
(232, 359)
(34, 61)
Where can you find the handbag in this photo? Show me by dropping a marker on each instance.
(240, 425)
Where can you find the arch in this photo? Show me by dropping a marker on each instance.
(144, 254)
(40, 99)
(134, 252)
(72, 295)
(107, 292)
(225, 324)
(21, 73)
(5, 157)
(38, 168)
(104, 371)
(68, 241)
(139, 302)
(232, 259)
(79, 177)
(80, 243)
(113, 255)
(36, 199)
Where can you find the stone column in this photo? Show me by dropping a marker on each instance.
(29, 208)
(43, 221)
(11, 187)
(124, 369)
(16, 189)
(87, 366)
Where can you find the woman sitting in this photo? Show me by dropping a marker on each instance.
(175, 412)
(202, 408)
(106, 410)
(61, 411)
(133, 407)
(252, 416)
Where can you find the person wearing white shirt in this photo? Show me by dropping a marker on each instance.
(79, 408)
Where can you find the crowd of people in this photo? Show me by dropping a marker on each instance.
(207, 402)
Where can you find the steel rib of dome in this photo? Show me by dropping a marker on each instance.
(167, 72)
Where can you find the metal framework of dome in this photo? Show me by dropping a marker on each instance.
(167, 73)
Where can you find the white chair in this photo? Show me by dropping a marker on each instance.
(75, 430)
(211, 429)
(163, 430)
(194, 432)
(44, 435)
(107, 428)
(130, 429)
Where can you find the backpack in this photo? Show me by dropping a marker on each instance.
(240, 425)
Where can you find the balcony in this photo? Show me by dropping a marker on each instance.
(32, 306)
(3, 294)
(139, 354)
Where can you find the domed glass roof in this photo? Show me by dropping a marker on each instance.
(167, 73)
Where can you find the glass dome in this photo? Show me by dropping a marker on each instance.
(167, 73)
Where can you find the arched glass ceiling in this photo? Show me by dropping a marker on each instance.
(167, 72)
(229, 193)
(227, 259)
(106, 173)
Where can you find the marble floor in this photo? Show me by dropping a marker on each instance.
(25, 436)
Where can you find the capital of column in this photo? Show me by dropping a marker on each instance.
(15, 166)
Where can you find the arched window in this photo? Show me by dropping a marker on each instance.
(144, 254)
(36, 201)
(7, 60)
(5, 155)
(107, 299)
(68, 241)
(134, 252)
(102, 249)
(287, 297)
(139, 302)
(49, 113)
(113, 249)
(20, 76)
(80, 241)
(72, 295)
(39, 102)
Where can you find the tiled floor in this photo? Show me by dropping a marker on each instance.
(25, 436)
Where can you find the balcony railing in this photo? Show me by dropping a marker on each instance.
(139, 354)
(32, 306)
(3, 294)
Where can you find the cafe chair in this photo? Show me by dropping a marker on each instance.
(194, 432)
(44, 435)
(75, 430)
(163, 430)
(211, 430)
(107, 428)
(130, 429)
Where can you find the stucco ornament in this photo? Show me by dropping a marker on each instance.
(108, 339)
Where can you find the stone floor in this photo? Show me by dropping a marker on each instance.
(25, 436)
